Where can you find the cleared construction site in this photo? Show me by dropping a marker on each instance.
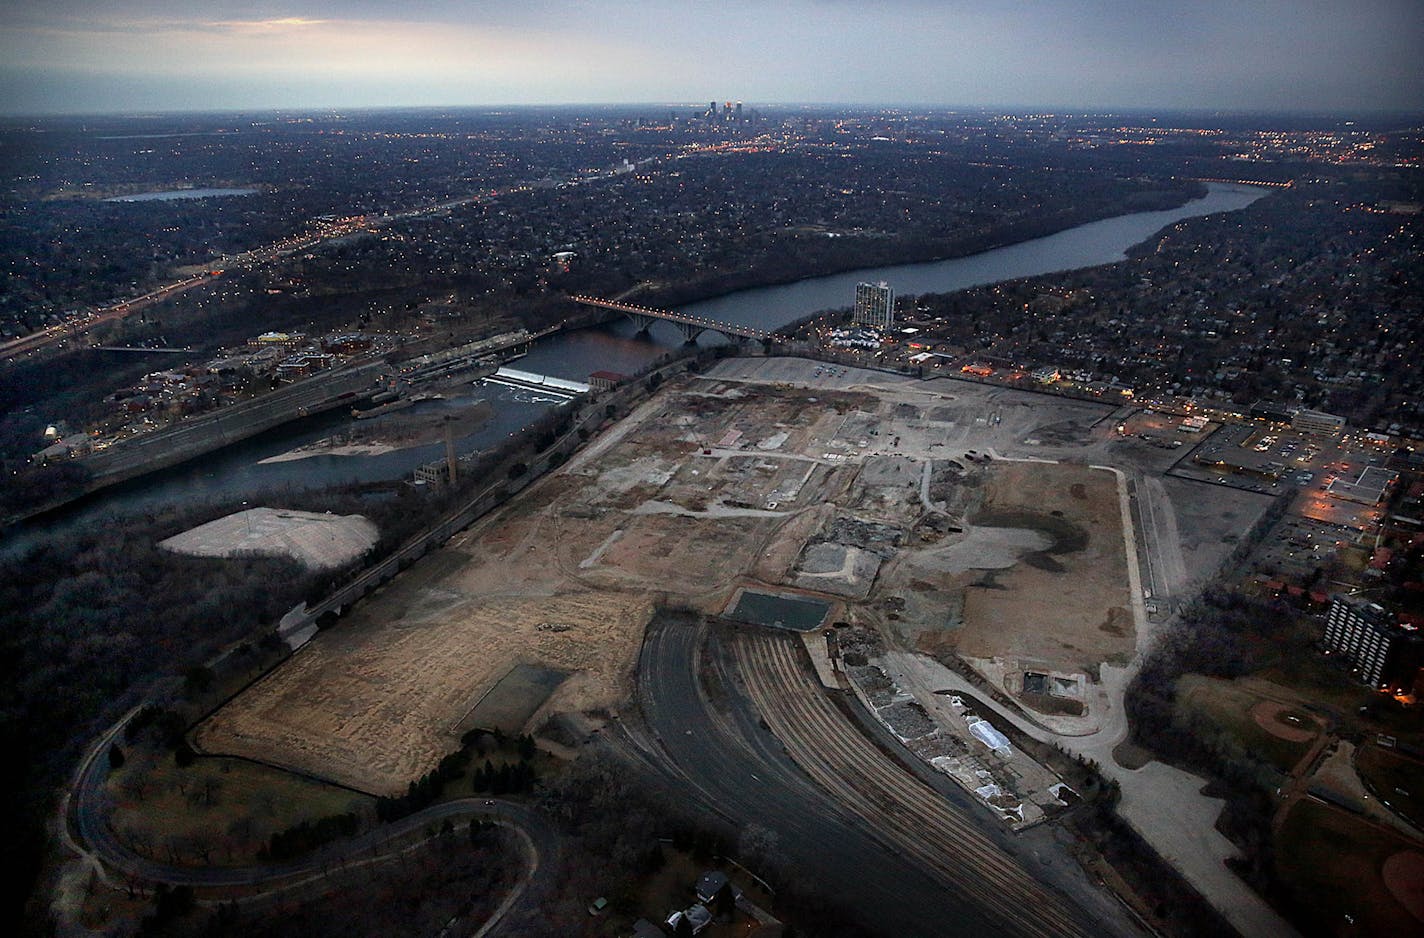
(772, 491)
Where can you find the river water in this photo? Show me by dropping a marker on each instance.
(174, 195)
(237, 471)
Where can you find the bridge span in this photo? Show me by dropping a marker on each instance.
(690, 326)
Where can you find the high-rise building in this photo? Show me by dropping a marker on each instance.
(874, 305)
(1379, 648)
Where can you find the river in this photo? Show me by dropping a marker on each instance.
(173, 195)
(237, 471)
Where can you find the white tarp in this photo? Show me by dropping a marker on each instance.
(990, 737)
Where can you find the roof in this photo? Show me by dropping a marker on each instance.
(709, 884)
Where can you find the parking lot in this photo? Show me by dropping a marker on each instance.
(1267, 459)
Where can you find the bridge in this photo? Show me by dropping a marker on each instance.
(1246, 182)
(690, 326)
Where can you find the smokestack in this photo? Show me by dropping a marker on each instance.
(450, 452)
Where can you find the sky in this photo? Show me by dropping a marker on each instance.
(105, 56)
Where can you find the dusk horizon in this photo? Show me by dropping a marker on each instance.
(82, 57)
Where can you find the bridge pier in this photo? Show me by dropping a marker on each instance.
(689, 331)
(644, 323)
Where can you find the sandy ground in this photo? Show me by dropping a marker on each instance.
(377, 702)
(1274, 719)
(321, 541)
(329, 448)
(424, 423)
(1044, 589)
(565, 577)
(718, 483)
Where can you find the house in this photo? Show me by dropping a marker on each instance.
(711, 883)
(696, 916)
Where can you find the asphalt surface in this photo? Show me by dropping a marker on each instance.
(86, 817)
(723, 757)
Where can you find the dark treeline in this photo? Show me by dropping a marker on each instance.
(303, 838)
(461, 878)
(92, 617)
(616, 824)
(1223, 635)
(509, 777)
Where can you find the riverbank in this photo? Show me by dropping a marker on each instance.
(575, 352)
(897, 253)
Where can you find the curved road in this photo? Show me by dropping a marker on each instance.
(84, 817)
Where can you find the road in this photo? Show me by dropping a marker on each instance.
(863, 841)
(86, 830)
(57, 333)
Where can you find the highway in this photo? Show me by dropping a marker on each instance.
(201, 434)
(52, 334)
(884, 844)
(293, 244)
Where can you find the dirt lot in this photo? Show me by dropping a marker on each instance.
(376, 702)
(565, 577)
(1041, 576)
(859, 493)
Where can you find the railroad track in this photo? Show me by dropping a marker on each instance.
(916, 818)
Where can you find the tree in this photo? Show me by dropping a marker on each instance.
(197, 680)
(116, 757)
(757, 844)
(724, 903)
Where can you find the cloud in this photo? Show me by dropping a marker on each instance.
(282, 23)
(1110, 53)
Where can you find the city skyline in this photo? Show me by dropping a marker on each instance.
(83, 56)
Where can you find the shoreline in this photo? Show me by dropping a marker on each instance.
(1005, 240)
(327, 448)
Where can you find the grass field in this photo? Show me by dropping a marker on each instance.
(1236, 709)
(1333, 861)
(216, 811)
(1396, 779)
